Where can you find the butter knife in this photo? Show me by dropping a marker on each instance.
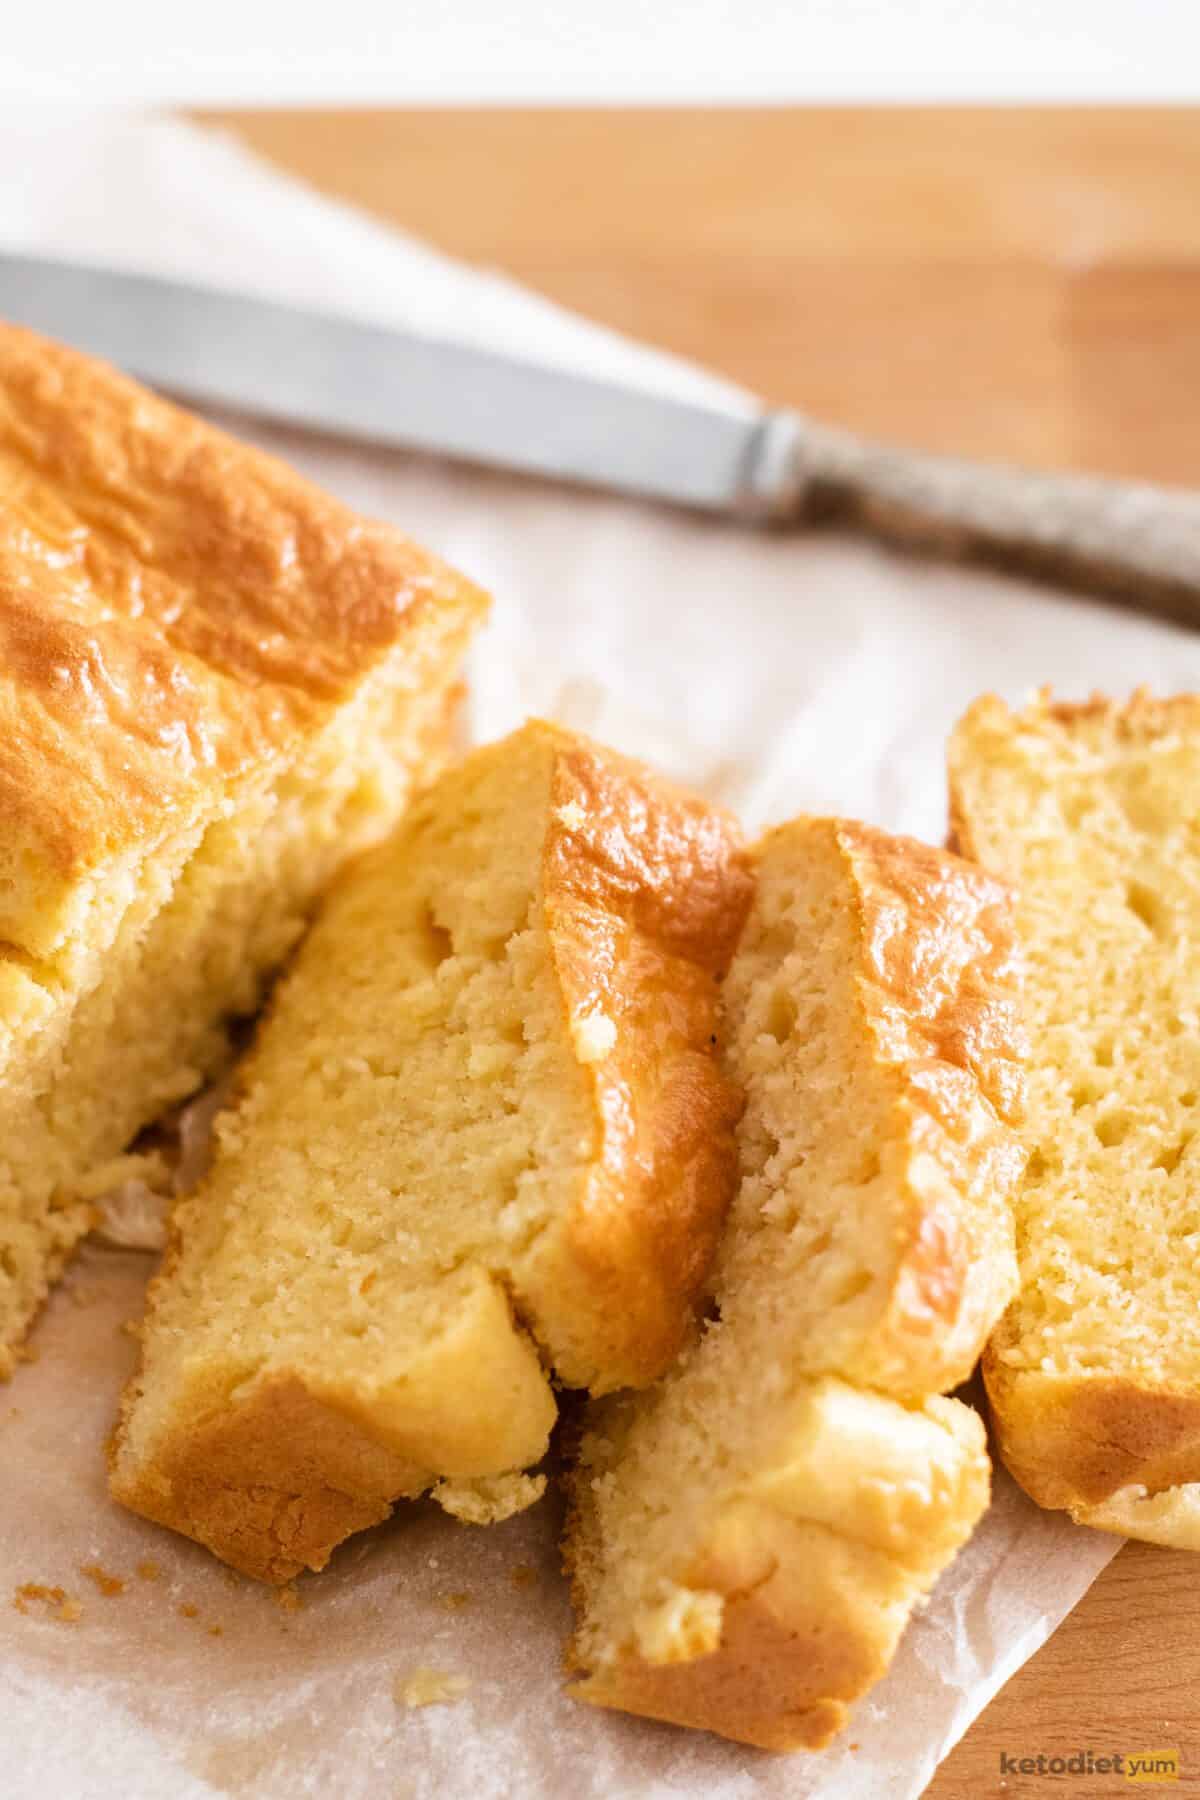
(1133, 542)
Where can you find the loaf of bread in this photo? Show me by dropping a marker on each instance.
(215, 683)
(483, 1137)
(747, 1540)
(1093, 811)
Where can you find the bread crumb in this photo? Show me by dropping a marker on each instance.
(100, 1577)
(488, 1499)
(429, 1687)
(288, 1600)
(454, 1602)
(216, 1631)
(60, 1605)
(523, 1575)
(149, 1571)
(188, 1611)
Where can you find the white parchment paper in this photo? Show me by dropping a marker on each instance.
(782, 675)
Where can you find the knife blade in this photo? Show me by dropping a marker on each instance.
(1133, 542)
(384, 386)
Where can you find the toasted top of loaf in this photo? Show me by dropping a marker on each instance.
(175, 609)
(1093, 810)
(872, 1019)
(748, 1538)
(483, 1136)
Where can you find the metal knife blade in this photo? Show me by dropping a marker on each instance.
(1128, 541)
(366, 381)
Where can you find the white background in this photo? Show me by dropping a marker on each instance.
(567, 51)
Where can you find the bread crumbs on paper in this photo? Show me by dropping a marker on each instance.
(100, 1578)
(149, 1571)
(288, 1600)
(429, 1687)
(188, 1611)
(62, 1607)
(454, 1601)
(523, 1575)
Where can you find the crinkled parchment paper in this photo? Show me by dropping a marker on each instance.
(780, 674)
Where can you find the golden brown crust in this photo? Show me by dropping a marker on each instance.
(646, 892)
(940, 953)
(174, 607)
(1143, 715)
(273, 1468)
(939, 991)
(270, 1485)
(805, 1631)
(1073, 1443)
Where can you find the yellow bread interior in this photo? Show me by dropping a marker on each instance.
(131, 1014)
(1093, 811)
(748, 1539)
(482, 1137)
(871, 1018)
(216, 682)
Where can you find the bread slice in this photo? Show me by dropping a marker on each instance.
(1094, 1373)
(215, 684)
(747, 1540)
(483, 1136)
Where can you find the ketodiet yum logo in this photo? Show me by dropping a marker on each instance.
(1131, 1765)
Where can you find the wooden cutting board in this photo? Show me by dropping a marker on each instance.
(1021, 284)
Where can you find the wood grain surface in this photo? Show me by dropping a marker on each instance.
(1021, 284)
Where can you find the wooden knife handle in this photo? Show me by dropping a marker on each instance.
(1126, 541)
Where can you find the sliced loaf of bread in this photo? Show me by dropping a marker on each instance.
(483, 1138)
(216, 685)
(1093, 811)
(747, 1540)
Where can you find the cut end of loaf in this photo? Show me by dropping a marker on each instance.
(747, 1540)
(216, 683)
(482, 1136)
(137, 1024)
(769, 1587)
(1093, 811)
(872, 1018)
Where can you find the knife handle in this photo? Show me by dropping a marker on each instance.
(1127, 541)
